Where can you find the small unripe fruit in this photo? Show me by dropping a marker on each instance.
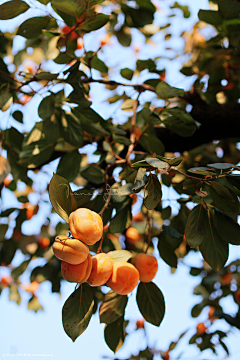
(124, 278)
(201, 328)
(70, 250)
(132, 235)
(146, 265)
(86, 225)
(140, 324)
(102, 268)
(77, 273)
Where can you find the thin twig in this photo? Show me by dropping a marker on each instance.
(132, 130)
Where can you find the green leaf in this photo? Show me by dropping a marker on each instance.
(228, 229)
(125, 190)
(46, 107)
(94, 22)
(128, 105)
(33, 304)
(120, 255)
(153, 193)
(151, 303)
(210, 17)
(180, 122)
(166, 213)
(94, 174)
(166, 252)
(151, 143)
(44, 2)
(196, 226)
(223, 198)
(18, 116)
(202, 171)
(69, 165)
(114, 334)
(44, 75)
(121, 220)
(140, 181)
(185, 9)
(155, 163)
(32, 28)
(113, 307)
(15, 273)
(35, 153)
(127, 73)
(14, 294)
(13, 8)
(61, 197)
(77, 311)
(165, 91)
(171, 161)
(74, 8)
(221, 166)
(142, 164)
(214, 250)
(234, 180)
(124, 37)
(72, 130)
(169, 230)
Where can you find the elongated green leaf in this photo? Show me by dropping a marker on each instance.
(214, 250)
(20, 269)
(13, 8)
(171, 161)
(142, 164)
(94, 174)
(172, 232)
(140, 181)
(32, 28)
(72, 130)
(151, 302)
(61, 197)
(94, 22)
(35, 153)
(223, 198)
(46, 107)
(210, 17)
(69, 165)
(126, 73)
(156, 163)
(196, 226)
(201, 170)
(166, 252)
(114, 334)
(121, 220)
(221, 166)
(165, 91)
(113, 307)
(153, 193)
(14, 294)
(77, 311)
(228, 229)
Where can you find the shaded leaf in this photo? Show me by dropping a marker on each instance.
(113, 307)
(165, 91)
(153, 193)
(196, 226)
(151, 303)
(13, 8)
(72, 130)
(114, 334)
(140, 181)
(69, 165)
(210, 17)
(61, 197)
(126, 73)
(77, 311)
(228, 229)
(32, 28)
(223, 198)
(166, 252)
(94, 174)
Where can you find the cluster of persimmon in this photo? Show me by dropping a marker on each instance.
(79, 266)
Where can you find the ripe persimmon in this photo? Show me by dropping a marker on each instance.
(44, 242)
(140, 324)
(86, 225)
(72, 251)
(146, 265)
(77, 273)
(31, 288)
(102, 268)
(132, 235)
(201, 328)
(124, 278)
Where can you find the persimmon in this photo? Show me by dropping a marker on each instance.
(210, 314)
(146, 265)
(201, 328)
(237, 296)
(124, 278)
(132, 235)
(134, 198)
(31, 288)
(226, 279)
(80, 44)
(25, 99)
(138, 217)
(44, 242)
(102, 268)
(70, 250)
(165, 355)
(86, 225)
(5, 281)
(140, 324)
(77, 273)
(68, 30)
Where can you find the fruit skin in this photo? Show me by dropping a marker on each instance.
(146, 265)
(70, 250)
(77, 273)
(140, 324)
(237, 296)
(226, 279)
(210, 314)
(201, 328)
(124, 278)
(86, 225)
(138, 217)
(31, 288)
(102, 268)
(132, 235)
(44, 242)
